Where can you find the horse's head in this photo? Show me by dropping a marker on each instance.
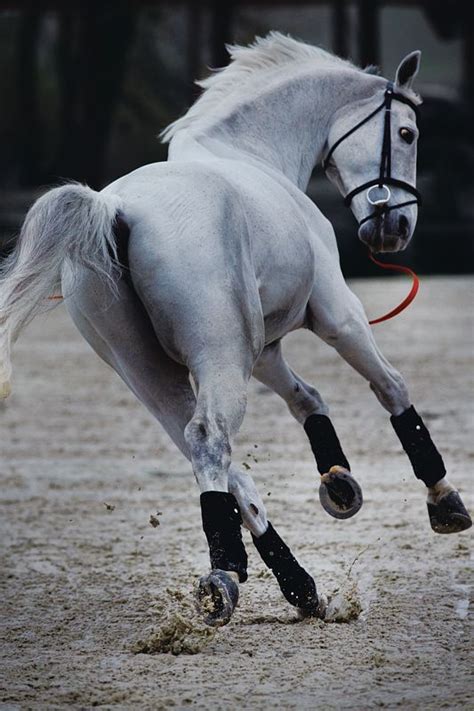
(372, 160)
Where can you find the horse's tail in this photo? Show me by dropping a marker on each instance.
(71, 222)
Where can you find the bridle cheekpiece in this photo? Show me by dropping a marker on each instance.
(378, 192)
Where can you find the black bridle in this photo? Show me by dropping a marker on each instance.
(378, 192)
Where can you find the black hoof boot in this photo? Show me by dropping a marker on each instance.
(216, 597)
(297, 586)
(449, 515)
(221, 521)
(299, 589)
(339, 493)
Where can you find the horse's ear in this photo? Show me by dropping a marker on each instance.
(408, 69)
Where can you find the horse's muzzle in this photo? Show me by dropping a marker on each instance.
(386, 232)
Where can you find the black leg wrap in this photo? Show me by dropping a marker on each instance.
(425, 459)
(324, 443)
(221, 521)
(296, 584)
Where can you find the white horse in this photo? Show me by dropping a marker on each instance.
(221, 255)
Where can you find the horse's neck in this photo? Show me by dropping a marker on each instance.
(285, 128)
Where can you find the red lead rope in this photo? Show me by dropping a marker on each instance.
(407, 300)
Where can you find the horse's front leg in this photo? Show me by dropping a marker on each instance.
(339, 493)
(341, 322)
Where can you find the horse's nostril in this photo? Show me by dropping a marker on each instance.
(403, 225)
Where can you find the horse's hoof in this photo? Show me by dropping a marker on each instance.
(449, 515)
(339, 493)
(216, 597)
(314, 608)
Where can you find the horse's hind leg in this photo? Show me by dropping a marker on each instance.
(227, 493)
(344, 325)
(123, 336)
(297, 586)
(221, 383)
(340, 494)
(121, 333)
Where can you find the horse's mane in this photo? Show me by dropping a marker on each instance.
(265, 54)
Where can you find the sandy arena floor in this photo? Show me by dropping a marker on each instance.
(85, 576)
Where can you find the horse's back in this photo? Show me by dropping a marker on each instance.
(168, 188)
(179, 204)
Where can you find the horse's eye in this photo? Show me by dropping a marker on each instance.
(407, 135)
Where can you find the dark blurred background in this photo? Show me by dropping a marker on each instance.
(86, 86)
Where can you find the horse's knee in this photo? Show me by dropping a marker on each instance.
(306, 401)
(207, 437)
(208, 442)
(392, 392)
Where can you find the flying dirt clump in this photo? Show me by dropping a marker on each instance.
(180, 629)
(344, 604)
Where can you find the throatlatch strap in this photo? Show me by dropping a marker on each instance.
(221, 521)
(296, 584)
(425, 459)
(325, 444)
